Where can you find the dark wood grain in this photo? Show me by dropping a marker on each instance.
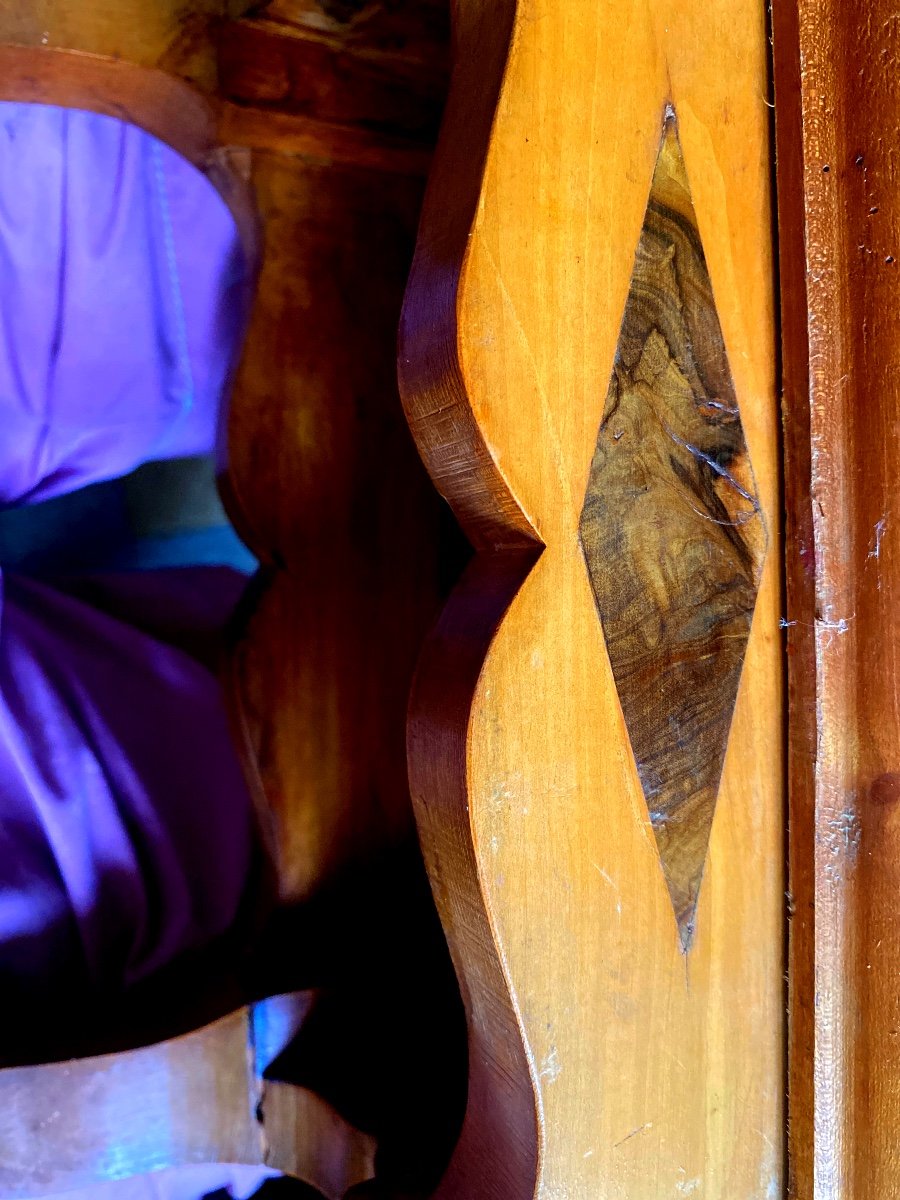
(799, 570)
(384, 69)
(672, 531)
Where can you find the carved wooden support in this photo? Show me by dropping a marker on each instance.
(565, 768)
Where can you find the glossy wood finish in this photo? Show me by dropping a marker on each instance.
(613, 1064)
(346, 520)
(838, 122)
(672, 531)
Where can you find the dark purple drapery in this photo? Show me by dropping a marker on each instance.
(126, 831)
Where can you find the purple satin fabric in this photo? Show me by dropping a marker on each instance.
(122, 298)
(126, 831)
(124, 807)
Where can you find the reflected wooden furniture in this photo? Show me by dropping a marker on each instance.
(609, 374)
(192, 1100)
(317, 127)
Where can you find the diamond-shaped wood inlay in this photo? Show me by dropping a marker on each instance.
(672, 531)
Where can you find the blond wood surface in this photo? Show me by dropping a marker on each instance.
(656, 1074)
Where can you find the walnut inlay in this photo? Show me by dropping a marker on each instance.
(672, 531)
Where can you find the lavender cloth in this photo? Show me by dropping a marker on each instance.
(124, 813)
(184, 1183)
(122, 300)
(126, 830)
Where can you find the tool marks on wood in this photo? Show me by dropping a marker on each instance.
(672, 531)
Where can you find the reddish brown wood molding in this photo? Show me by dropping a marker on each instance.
(431, 377)
(838, 128)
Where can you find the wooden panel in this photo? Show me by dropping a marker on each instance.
(838, 122)
(656, 1073)
(342, 73)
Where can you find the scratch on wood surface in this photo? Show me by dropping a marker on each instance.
(549, 429)
(612, 883)
(875, 545)
(687, 1187)
(628, 1136)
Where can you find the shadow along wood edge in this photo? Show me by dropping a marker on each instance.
(501, 1126)
(465, 470)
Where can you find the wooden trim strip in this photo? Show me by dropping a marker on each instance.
(838, 111)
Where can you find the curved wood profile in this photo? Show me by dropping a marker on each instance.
(168, 108)
(605, 1060)
(498, 1153)
(433, 386)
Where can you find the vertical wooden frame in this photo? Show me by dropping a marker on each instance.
(653, 1072)
(837, 115)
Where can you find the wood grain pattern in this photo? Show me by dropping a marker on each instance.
(175, 37)
(381, 70)
(672, 531)
(345, 519)
(654, 1074)
(838, 124)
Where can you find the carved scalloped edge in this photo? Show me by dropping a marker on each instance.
(498, 1155)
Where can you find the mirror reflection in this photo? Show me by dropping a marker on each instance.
(128, 840)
